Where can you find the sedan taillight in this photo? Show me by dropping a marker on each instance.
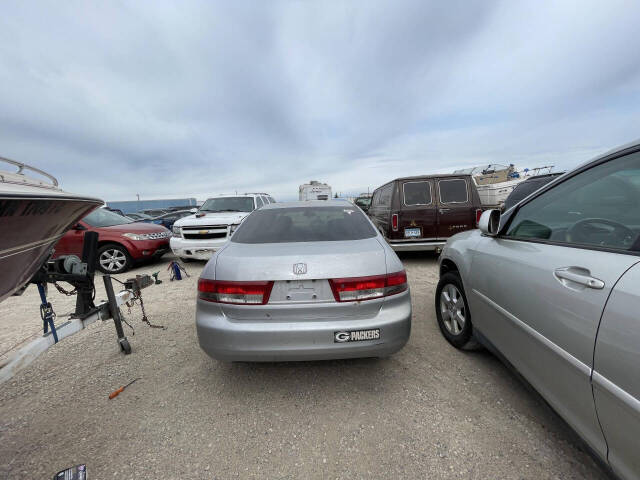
(239, 293)
(355, 289)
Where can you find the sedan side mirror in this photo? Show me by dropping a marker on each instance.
(489, 222)
(193, 210)
(79, 227)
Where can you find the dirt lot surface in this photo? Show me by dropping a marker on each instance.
(429, 411)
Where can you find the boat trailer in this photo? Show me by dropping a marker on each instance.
(80, 274)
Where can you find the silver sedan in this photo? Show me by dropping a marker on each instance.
(303, 281)
(553, 284)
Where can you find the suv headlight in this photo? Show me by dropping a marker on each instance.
(176, 231)
(135, 236)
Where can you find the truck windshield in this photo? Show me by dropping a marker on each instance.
(304, 224)
(228, 204)
(105, 218)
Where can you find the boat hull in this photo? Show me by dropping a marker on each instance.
(29, 228)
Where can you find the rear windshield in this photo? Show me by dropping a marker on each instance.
(525, 189)
(453, 191)
(228, 204)
(304, 224)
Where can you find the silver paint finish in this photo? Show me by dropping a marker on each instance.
(519, 278)
(616, 376)
(301, 318)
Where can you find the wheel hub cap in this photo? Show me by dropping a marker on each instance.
(112, 260)
(452, 309)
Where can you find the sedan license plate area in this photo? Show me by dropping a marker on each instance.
(412, 232)
(344, 336)
(301, 290)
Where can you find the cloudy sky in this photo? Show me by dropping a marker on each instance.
(191, 98)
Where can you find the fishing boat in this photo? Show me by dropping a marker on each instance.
(34, 214)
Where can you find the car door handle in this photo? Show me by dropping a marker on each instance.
(579, 275)
(442, 210)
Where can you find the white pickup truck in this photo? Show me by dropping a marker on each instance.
(199, 235)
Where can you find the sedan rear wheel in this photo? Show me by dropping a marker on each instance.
(113, 259)
(452, 311)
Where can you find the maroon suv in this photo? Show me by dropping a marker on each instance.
(421, 213)
(121, 241)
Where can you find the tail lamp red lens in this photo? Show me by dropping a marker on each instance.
(478, 215)
(394, 222)
(356, 289)
(239, 293)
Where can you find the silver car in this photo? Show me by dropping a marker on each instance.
(553, 285)
(303, 281)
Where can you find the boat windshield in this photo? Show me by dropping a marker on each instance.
(105, 218)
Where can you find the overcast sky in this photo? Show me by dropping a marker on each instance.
(184, 98)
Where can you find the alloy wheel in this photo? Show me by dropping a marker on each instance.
(113, 260)
(452, 309)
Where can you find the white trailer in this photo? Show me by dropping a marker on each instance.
(314, 190)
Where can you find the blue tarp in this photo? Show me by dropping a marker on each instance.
(132, 206)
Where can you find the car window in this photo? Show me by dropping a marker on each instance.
(453, 191)
(417, 193)
(385, 195)
(598, 207)
(375, 199)
(259, 202)
(526, 188)
(272, 200)
(105, 218)
(265, 200)
(228, 204)
(304, 224)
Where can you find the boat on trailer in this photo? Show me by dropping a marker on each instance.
(495, 182)
(34, 214)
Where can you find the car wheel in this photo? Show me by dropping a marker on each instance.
(113, 259)
(452, 311)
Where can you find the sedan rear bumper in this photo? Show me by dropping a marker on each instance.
(272, 341)
(417, 246)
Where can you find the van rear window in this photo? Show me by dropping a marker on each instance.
(453, 191)
(417, 193)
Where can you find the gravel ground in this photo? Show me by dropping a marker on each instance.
(429, 411)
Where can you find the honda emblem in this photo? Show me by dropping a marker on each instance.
(299, 268)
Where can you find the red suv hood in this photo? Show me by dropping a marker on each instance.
(135, 227)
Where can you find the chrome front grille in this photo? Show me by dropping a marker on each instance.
(205, 232)
(159, 235)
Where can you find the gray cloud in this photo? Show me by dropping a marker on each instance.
(196, 98)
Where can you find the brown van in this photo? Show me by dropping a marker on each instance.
(421, 213)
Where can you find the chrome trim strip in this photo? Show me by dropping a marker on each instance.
(622, 395)
(579, 365)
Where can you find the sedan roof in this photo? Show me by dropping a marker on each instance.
(309, 203)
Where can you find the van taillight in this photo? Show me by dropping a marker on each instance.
(394, 222)
(240, 293)
(478, 215)
(355, 289)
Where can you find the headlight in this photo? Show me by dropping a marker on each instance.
(176, 231)
(134, 236)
